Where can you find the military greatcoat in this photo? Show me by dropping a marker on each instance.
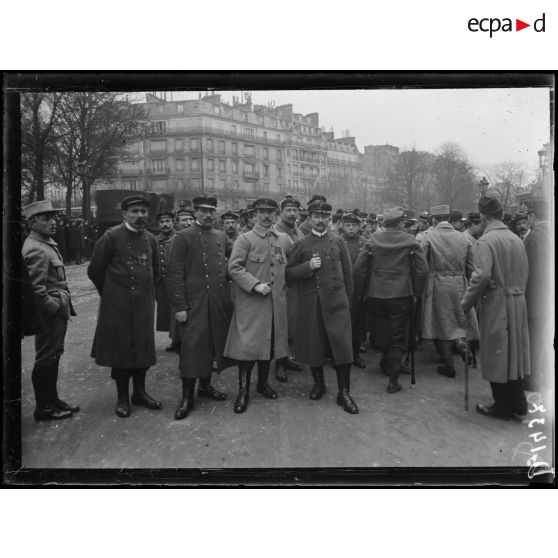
(258, 256)
(197, 282)
(163, 303)
(324, 327)
(124, 268)
(450, 261)
(499, 280)
(354, 245)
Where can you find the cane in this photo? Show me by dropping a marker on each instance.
(467, 361)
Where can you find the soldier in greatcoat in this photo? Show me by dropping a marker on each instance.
(305, 227)
(499, 280)
(124, 269)
(355, 243)
(258, 331)
(321, 266)
(200, 297)
(286, 224)
(165, 219)
(47, 275)
(450, 262)
(389, 273)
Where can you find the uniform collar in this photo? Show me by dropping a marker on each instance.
(495, 226)
(130, 228)
(36, 236)
(319, 235)
(444, 225)
(262, 231)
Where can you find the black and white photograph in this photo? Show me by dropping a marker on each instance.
(225, 274)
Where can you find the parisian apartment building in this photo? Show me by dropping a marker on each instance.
(240, 151)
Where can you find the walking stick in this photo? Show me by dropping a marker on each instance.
(467, 361)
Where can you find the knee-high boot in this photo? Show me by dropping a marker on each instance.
(140, 396)
(319, 388)
(244, 373)
(187, 403)
(263, 376)
(343, 382)
(122, 379)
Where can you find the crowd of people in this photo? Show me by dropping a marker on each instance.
(283, 284)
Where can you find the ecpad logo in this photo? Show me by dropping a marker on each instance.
(494, 24)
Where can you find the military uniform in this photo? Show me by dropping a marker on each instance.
(163, 320)
(305, 228)
(325, 295)
(47, 275)
(450, 261)
(354, 246)
(499, 280)
(389, 272)
(124, 268)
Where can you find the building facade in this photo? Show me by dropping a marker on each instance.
(238, 152)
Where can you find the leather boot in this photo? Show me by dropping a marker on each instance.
(291, 364)
(207, 391)
(140, 396)
(44, 409)
(263, 376)
(122, 379)
(343, 382)
(55, 400)
(187, 403)
(281, 370)
(319, 388)
(244, 373)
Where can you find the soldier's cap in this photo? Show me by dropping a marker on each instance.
(393, 214)
(507, 218)
(38, 208)
(340, 212)
(425, 216)
(319, 206)
(438, 210)
(316, 197)
(455, 216)
(246, 213)
(409, 215)
(265, 203)
(185, 211)
(229, 215)
(207, 202)
(520, 216)
(351, 218)
(489, 205)
(136, 199)
(336, 218)
(303, 213)
(289, 201)
(356, 211)
(372, 217)
(473, 217)
(166, 213)
(363, 216)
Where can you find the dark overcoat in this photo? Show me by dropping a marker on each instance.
(258, 322)
(499, 280)
(324, 328)
(294, 235)
(354, 246)
(197, 282)
(162, 296)
(124, 267)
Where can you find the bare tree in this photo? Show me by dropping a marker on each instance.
(39, 116)
(92, 133)
(454, 179)
(507, 180)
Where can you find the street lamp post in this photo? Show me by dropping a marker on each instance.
(84, 168)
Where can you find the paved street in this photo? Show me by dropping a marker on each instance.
(425, 426)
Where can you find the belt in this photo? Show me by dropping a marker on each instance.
(448, 273)
(510, 291)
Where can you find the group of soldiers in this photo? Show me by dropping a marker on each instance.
(296, 286)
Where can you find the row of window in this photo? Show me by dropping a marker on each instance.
(160, 166)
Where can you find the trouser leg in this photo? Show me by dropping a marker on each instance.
(55, 399)
(187, 403)
(517, 396)
(502, 399)
(39, 378)
(319, 388)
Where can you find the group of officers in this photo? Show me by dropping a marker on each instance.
(277, 283)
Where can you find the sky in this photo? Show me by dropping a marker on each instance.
(492, 125)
